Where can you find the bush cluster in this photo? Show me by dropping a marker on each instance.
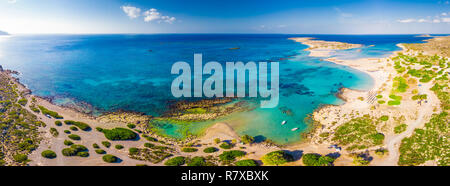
(48, 154)
(81, 125)
(119, 134)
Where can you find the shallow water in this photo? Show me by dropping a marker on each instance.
(132, 72)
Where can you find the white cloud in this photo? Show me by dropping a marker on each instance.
(406, 20)
(154, 15)
(12, 1)
(151, 15)
(341, 13)
(423, 21)
(444, 14)
(131, 11)
(436, 20)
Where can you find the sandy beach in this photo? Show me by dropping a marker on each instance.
(318, 48)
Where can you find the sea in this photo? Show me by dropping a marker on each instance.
(132, 72)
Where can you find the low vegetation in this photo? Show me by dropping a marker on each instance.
(189, 149)
(48, 154)
(81, 125)
(247, 163)
(359, 133)
(429, 143)
(312, 159)
(107, 144)
(119, 134)
(226, 145)
(110, 158)
(175, 161)
(74, 137)
(210, 150)
(228, 157)
(400, 128)
(277, 158)
(76, 150)
(53, 114)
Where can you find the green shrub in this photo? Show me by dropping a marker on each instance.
(95, 145)
(231, 155)
(45, 111)
(133, 150)
(226, 145)
(175, 161)
(119, 146)
(54, 132)
(100, 151)
(67, 131)
(83, 154)
(131, 126)
(210, 150)
(152, 139)
(69, 152)
(58, 123)
(20, 158)
(149, 145)
(119, 134)
(197, 161)
(276, 158)
(246, 163)
(400, 128)
(99, 129)
(34, 109)
(74, 137)
(68, 142)
(76, 150)
(392, 103)
(81, 125)
(217, 140)
(79, 148)
(107, 144)
(358, 160)
(27, 145)
(384, 118)
(189, 149)
(421, 97)
(73, 128)
(246, 139)
(23, 101)
(317, 160)
(110, 158)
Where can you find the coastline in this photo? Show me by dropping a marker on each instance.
(378, 68)
(381, 71)
(319, 48)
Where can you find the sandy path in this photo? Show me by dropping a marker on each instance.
(424, 112)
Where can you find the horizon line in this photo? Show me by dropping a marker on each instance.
(162, 33)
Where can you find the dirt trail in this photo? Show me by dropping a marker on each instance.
(424, 112)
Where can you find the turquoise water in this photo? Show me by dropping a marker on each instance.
(132, 72)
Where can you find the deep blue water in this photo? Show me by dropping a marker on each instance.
(112, 72)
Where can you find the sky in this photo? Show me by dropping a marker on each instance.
(226, 16)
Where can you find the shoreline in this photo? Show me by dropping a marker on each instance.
(378, 69)
(382, 72)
